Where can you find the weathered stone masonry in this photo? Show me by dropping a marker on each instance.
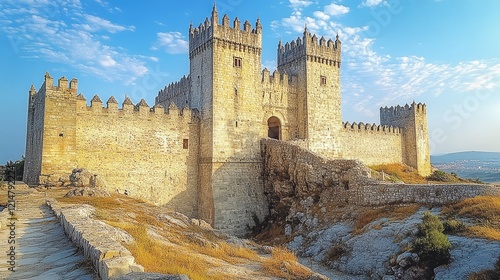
(197, 150)
(294, 173)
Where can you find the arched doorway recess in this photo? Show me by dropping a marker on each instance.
(274, 128)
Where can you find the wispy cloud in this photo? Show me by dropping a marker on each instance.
(371, 79)
(171, 42)
(95, 24)
(64, 32)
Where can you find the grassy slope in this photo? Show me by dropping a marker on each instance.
(201, 254)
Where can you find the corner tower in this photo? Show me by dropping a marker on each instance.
(413, 122)
(225, 67)
(51, 131)
(316, 63)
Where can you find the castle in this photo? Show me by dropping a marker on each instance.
(197, 149)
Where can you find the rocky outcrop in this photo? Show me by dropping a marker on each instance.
(293, 174)
(82, 178)
(86, 191)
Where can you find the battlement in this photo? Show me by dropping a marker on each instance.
(315, 50)
(246, 39)
(388, 114)
(62, 84)
(174, 89)
(141, 108)
(373, 128)
(277, 78)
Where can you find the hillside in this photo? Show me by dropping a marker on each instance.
(484, 166)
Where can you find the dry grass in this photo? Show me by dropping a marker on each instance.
(481, 207)
(284, 264)
(484, 232)
(184, 251)
(400, 172)
(390, 212)
(485, 210)
(229, 253)
(158, 257)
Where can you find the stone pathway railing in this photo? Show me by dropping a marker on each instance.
(100, 242)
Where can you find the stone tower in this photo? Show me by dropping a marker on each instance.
(225, 67)
(316, 63)
(51, 145)
(413, 122)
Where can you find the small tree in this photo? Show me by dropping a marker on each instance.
(432, 245)
(19, 165)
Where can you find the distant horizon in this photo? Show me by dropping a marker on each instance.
(472, 151)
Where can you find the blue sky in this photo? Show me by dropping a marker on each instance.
(444, 53)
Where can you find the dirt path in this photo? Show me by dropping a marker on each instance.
(42, 250)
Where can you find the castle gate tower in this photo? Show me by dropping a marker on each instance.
(316, 63)
(225, 67)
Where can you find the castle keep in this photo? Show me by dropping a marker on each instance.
(197, 149)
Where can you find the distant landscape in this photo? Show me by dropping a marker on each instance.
(473, 165)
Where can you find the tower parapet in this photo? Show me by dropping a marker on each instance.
(394, 114)
(246, 39)
(412, 120)
(314, 49)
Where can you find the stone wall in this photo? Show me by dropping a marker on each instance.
(383, 194)
(100, 242)
(149, 153)
(372, 144)
(294, 173)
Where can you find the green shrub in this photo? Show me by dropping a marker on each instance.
(432, 245)
(429, 222)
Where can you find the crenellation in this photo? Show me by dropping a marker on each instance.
(49, 81)
(320, 51)
(370, 128)
(225, 21)
(62, 82)
(236, 23)
(96, 100)
(73, 84)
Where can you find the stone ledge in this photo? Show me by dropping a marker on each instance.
(99, 241)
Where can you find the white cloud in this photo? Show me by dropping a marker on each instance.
(298, 4)
(321, 15)
(65, 33)
(373, 3)
(95, 24)
(171, 42)
(336, 10)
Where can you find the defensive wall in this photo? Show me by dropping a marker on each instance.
(372, 144)
(148, 152)
(293, 172)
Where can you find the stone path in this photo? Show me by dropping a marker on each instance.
(42, 250)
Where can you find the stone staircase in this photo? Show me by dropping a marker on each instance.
(42, 250)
